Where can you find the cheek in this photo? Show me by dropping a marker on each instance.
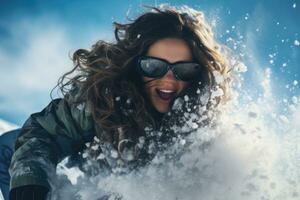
(145, 79)
(183, 85)
(147, 87)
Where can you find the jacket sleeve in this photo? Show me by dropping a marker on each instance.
(59, 130)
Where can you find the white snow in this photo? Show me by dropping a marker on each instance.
(241, 67)
(284, 119)
(295, 82)
(252, 152)
(84, 155)
(114, 154)
(6, 126)
(218, 77)
(294, 5)
(294, 99)
(128, 101)
(217, 93)
(101, 156)
(81, 106)
(95, 147)
(296, 43)
(72, 173)
(186, 98)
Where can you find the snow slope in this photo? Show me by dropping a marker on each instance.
(6, 126)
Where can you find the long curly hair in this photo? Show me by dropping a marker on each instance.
(106, 75)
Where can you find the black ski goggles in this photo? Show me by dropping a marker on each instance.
(154, 67)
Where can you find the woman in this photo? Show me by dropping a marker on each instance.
(121, 95)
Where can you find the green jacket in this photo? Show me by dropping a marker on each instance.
(62, 129)
(46, 138)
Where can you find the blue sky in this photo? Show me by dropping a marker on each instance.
(37, 37)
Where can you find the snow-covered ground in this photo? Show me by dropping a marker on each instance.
(6, 126)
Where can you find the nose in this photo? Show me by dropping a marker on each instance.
(169, 75)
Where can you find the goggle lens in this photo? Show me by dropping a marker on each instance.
(187, 71)
(153, 68)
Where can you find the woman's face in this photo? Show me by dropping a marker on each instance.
(161, 92)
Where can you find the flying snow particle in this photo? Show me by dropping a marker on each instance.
(142, 140)
(294, 100)
(284, 119)
(114, 154)
(284, 65)
(241, 67)
(194, 125)
(229, 39)
(80, 106)
(95, 147)
(186, 98)
(214, 23)
(296, 43)
(218, 77)
(84, 155)
(217, 93)
(96, 139)
(271, 61)
(101, 156)
(295, 82)
(294, 5)
(182, 142)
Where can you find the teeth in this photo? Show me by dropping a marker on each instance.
(167, 91)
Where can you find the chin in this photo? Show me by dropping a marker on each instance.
(162, 109)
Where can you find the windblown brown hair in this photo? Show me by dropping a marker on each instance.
(107, 71)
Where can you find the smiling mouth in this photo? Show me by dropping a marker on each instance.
(166, 95)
